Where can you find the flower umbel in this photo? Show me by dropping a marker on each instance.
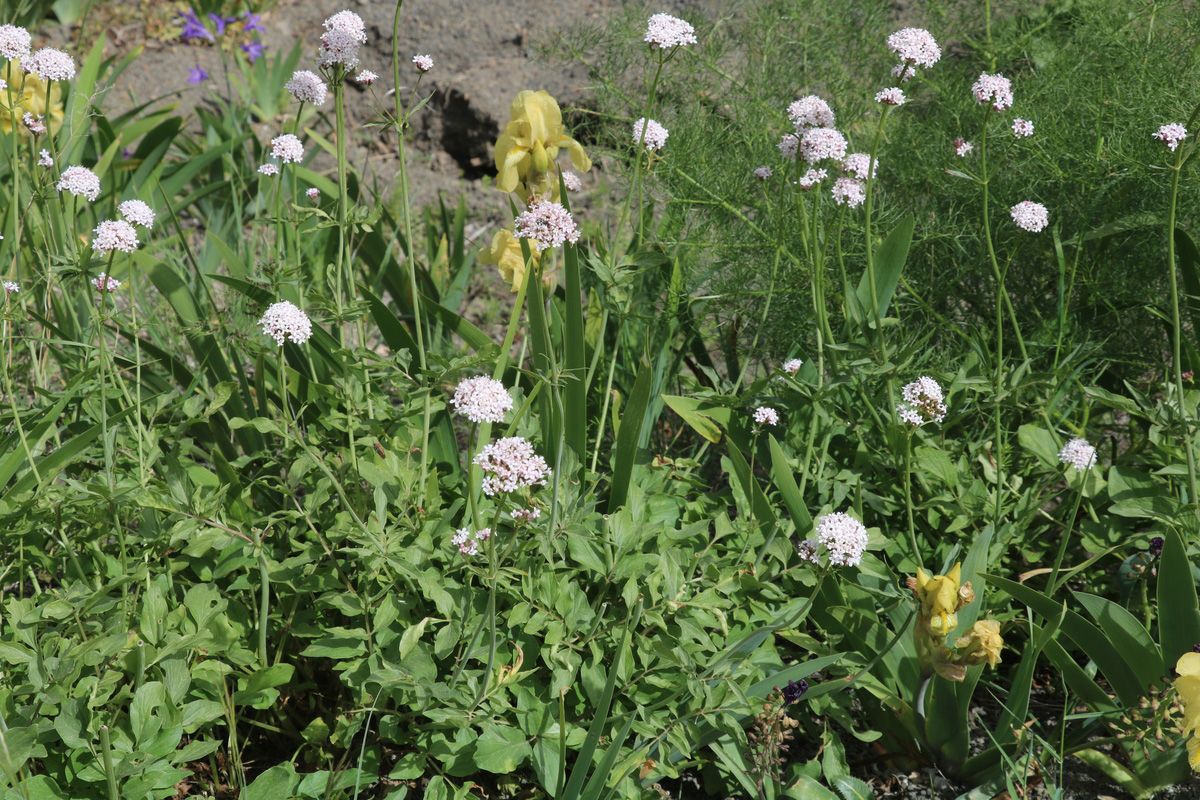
(50, 65)
(1030, 216)
(105, 283)
(509, 464)
(996, 89)
(114, 235)
(792, 366)
(284, 320)
(655, 135)
(810, 112)
(546, 225)
(1079, 454)
(287, 148)
(914, 46)
(482, 400)
(844, 537)
(818, 144)
(138, 213)
(664, 32)
(422, 63)
(849, 192)
(922, 402)
(307, 87)
(79, 181)
(1171, 135)
(765, 415)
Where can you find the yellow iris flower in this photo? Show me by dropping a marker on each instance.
(1187, 685)
(526, 151)
(29, 94)
(982, 643)
(939, 596)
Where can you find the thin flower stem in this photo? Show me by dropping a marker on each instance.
(1176, 337)
(987, 235)
(343, 193)
(908, 501)
(1053, 584)
(264, 607)
(867, 217)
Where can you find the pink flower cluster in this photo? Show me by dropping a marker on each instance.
(994, 88)
(15, 42)
(812, 178)
(1171, 134)
(915, 47)
(655, 135)
(849, 192)
(1022, 128)
(818, 144)
(546, 225)
(891, 97)
(287, 148)
(50, 65)
(810, 112)
(79, 181)
(482, 399)
(138, 213)
(114, 234)
(468, 542)
(765, 415)
(105, 283)
(307, 87)
(422, 63)
(344, 32)
(962, 147)
(792, 366)
(509, 464)
(857, 164)
(664, 32)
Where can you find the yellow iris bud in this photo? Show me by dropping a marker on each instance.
(1187, 686)
(531, 141)
(939, 596)
(29, 94)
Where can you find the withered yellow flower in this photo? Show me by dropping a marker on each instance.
(29, 94)
(1187, 685)
(505, 253)
(982, 643)
(530, 143)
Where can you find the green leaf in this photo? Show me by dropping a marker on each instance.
(808, 788)
(574, 357)
(1178, 612)
(501, 749)
(1114, 770)
(889, 263)
(624, 456)
(1091, 639)
(705, 420)
(785, 481)
(279, 781)
(1039, 442)
(852, 788)
(1127, 634)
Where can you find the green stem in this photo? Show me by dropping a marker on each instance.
(343, 193)
(109, 773)
(1176, 337)
(867, 217)
(987, 235)
(908, 501)
(264, 606)
(1053, 584)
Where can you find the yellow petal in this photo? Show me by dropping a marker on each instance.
(1193, 747)
(516, 161)
(1188, 664)
(579, 158)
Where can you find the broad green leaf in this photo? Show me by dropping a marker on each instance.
(1127, 634)
(781, 473)
(706, 421)
(625, 455)
(889, 263)
(1178, 611)
(501, 749)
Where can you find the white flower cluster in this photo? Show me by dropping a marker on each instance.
(654, 133)
(1022, 128)
(763, 173)
(482, 400)
(818, 144)
(44, 159)
(812, 178)
(344, 32)
(422, 63)
(857, 163)
(105, 283)
(571, 181)
(1171, 134)
(765, 415)
(79, 181)
(284, 320)
(849, 192)
(788, 146)
(114, 234)
(269, 169)
(546, 225)
(915, 47)
(962, 147)
(524, 516)
(468, 542)
(810, 112)
(1030, 216)
(15, 42)
(664, 31)
(287, 148)
(35, 124)
(307, 87)
(842, 536)
(792, 366)
(1079, 454)
(366, 77)
(923, 402)
(11, 287)
(995, 88)
(138, 213)
(50, 65)
(509, 464)
(892, 97)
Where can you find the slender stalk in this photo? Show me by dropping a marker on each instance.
(987, 235)
(109, 773)
(1176, 338)
(264, 607)
(1052, 585)
(339, 102)
(867, 217)
(908, 501)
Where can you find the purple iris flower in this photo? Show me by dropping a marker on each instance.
(197, 75)
(254, 50)
(221, 22)
(254, 23)
(193, 28)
